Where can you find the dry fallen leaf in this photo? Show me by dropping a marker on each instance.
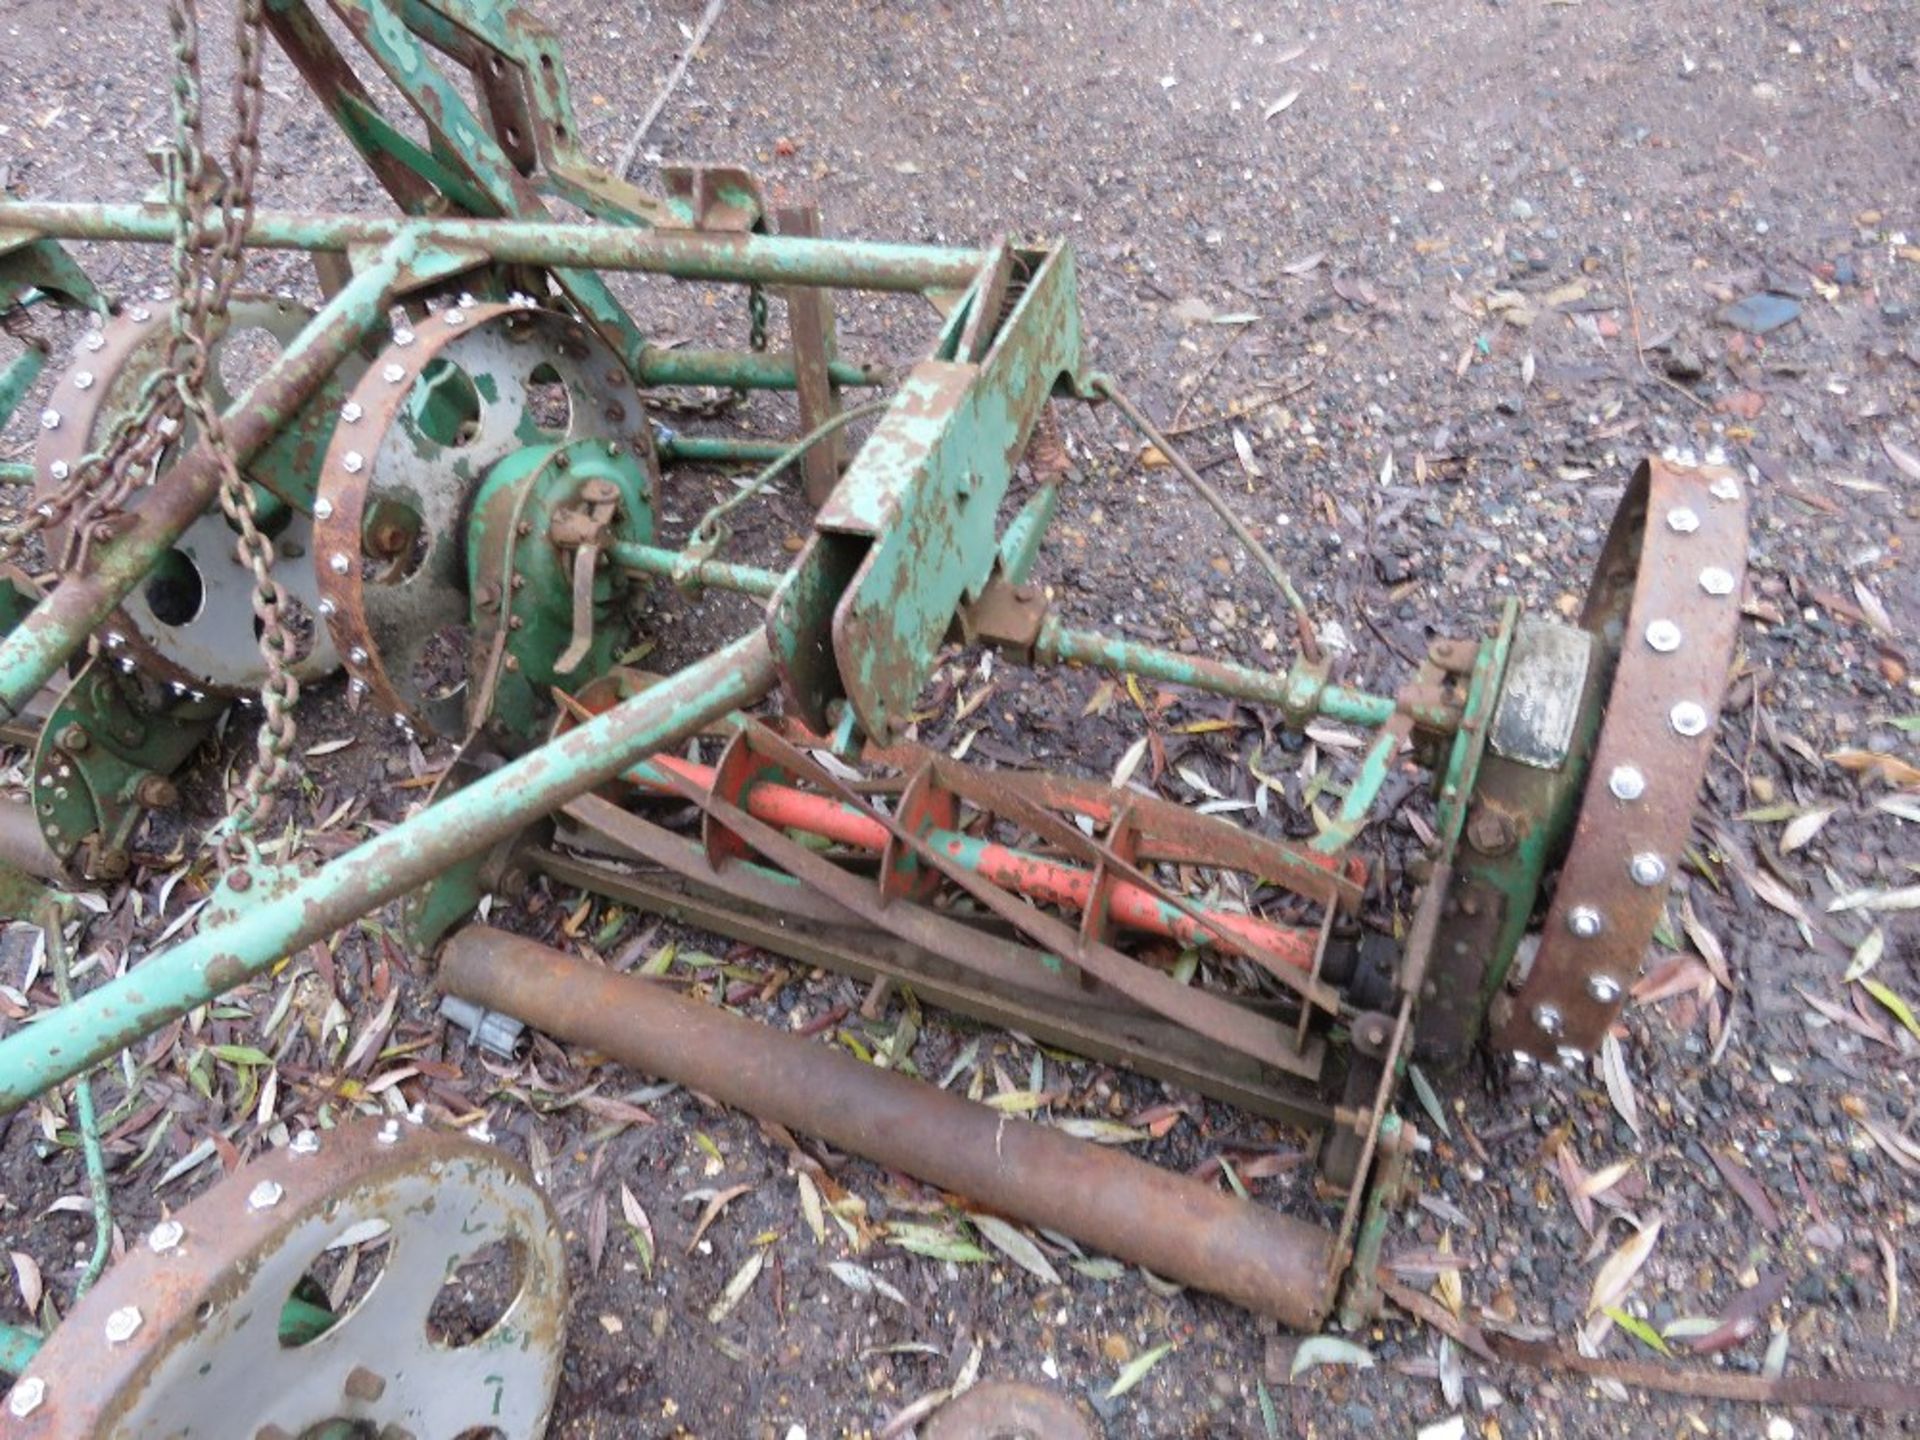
(737, 1287)
(1803, 828)
(1280, 105)
(715, 1204)
(1613, 1066)
(1617, 1274)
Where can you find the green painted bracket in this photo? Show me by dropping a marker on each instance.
(27, 265)
(913, 528)
(388, 31)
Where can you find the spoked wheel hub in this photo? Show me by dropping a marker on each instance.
(380, 1280)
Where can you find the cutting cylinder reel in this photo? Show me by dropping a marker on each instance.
(458, 458)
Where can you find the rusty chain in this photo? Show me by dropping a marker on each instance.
(204, 281)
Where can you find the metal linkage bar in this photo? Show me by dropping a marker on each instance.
(258, 920)
(1176, 1227)
(684, 254)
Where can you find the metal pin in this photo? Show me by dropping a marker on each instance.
(1716, 581)
(1548, 1019)
(352, 461)
(166, 1236)
(49, 419)
(122, 1324)
(466, 299)
(1682, 521)
(351, 412)
(83, 380)
(115, 639)
(394, 374)
(95, 341)
(1522, 1060)
(28, 1395)
(1724, 487)
(1647, 869)
(322, 508)
(339, 563)
(141, 313)
(1571, 1055)
(305, 1143)
(126, 667)
(58, 469)
(327, 608)
(1603, 988)
(1585, 921)
(1664, 636)
(389, 1133)
(454, 317)
(1689, 718)
(357, 655)
(403, 337)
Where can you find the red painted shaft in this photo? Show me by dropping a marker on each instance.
(1047, 881)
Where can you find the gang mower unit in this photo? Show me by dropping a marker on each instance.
(441, 487)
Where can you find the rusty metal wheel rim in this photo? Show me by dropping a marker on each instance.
(213, 649)
(181, 1338)
(382, 453)
(1667, 596)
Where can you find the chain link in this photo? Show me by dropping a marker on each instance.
(757, 316)
(204, 281)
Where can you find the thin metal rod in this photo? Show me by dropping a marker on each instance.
(743, 369)
(36, 649)
(1176, 1227)
(1303, 618)
(719, 450)
(277, 912)
(685, 254)
(707, 533)
(684, 569)
(53, 925)
(1059, 642)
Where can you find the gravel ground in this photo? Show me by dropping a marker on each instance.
(1447, 271)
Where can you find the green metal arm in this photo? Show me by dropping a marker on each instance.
(683, 254)
(260, 917)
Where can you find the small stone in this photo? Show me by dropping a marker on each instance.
(1520, 208)
(1760, 314)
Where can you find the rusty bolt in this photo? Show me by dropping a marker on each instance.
(305, 1143)
(1024, 593)
(157, 792)
(599, 492)
(74, 738)
(166, 1236)
(1491, 831)
(265, 1195)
